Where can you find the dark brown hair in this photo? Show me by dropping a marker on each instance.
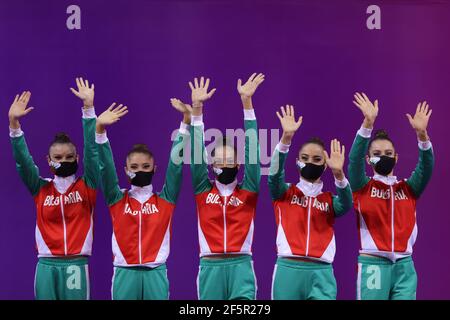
(61, 138)
(380, 135)
(140, 148)
(314, 140)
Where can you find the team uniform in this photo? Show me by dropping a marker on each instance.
(226, 219)
(141, 223)
(386, 219)
(305, 217)
(64, 218)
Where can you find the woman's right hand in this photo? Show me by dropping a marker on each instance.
(19, 109)
(110, 116)
(288, 123)
(368, 109)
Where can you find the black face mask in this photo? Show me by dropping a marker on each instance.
(65, 168)
(226, 175)
(383, 166)
(141, 178)
(310, 171)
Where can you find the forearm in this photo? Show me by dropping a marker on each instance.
(422, 136)
(367, 124)
(342, 203)
(424, 168)
(109, 179)
(197, 108)
(199, 167)
(252, 174)
(14, 123)
(174, 173)
(90, 156)
(247, 103)
(28, 171)
(276, 178)
(357, 167)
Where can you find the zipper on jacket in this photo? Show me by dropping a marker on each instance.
(392, 217)
(309, 221)
(140, 235)
(224, 210)
(64, 224)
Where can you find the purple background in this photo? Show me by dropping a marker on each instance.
(314, 54)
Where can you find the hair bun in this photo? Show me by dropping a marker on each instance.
(61, 137)
(381, 134)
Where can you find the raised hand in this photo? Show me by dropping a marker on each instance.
(19, 108)
(248, 89)
(181, 106)
(420, 120)
(85, 93)
(335, 161)
(288, 123)
(369, 109)
(111, 116)
(184, 108)
(200, 91)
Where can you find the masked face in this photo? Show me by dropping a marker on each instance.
(309, 171)
(140, 178)
(382, 157)
(140, 169)
(226, 175)
(225, 165)
(382, 165)
(62, 159)
(311, 162)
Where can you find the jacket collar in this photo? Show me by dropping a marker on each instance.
(62, 184)
(310, 189)
(141, 194)
(389, 180)
(226, 189)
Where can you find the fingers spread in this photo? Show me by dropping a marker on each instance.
(27, 111)
(357, 104)
(279, 116)
(111, 106)
(365, 97)
(210, 94)
(27, 97)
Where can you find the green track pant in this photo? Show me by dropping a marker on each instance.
(62, 279)
(382, 279)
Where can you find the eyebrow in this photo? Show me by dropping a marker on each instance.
(381, 151)
(60, 155)
(314, 156)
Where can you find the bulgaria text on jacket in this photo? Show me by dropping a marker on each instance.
(305, 225)
(141, 231)
(65, 221)
(225, 223)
